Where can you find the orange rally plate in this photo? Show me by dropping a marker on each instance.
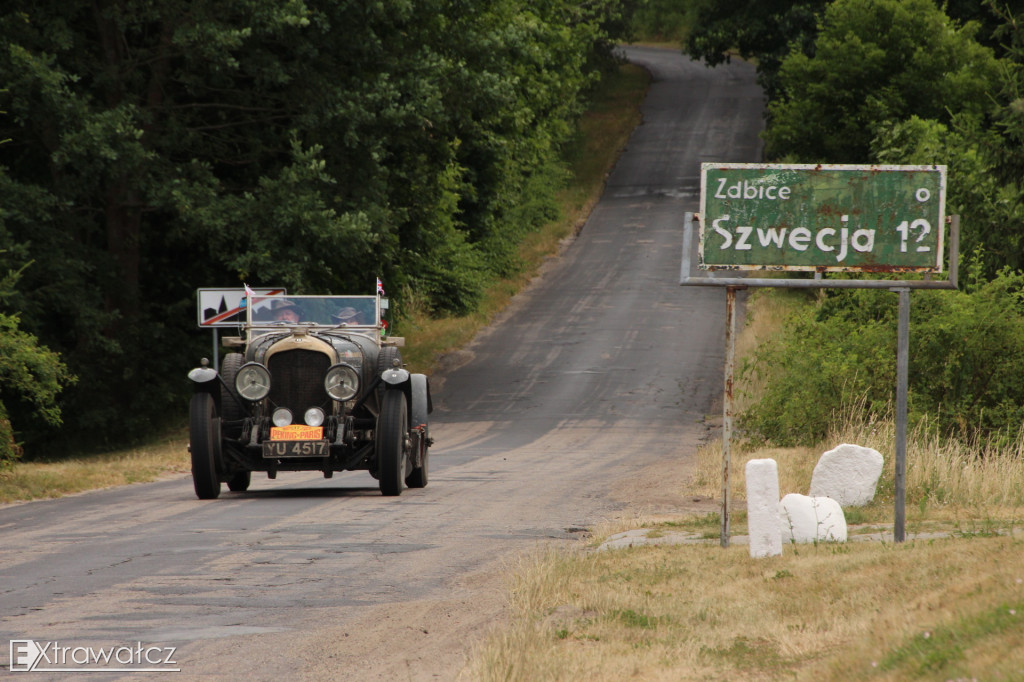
(296, 432)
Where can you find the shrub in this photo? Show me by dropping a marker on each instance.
(966, 358)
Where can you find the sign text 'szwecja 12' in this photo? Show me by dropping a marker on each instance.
(824, 218)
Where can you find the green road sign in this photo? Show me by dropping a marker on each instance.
(824, 218)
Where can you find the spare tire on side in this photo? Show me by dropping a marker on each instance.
(386, 359)
(230, 409)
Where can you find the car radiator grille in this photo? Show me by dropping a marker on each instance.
(297, 380)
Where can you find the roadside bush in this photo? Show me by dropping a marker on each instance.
(839, 355)
(31, 376)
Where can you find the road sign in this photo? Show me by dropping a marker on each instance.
(223, 307)
(825, 218)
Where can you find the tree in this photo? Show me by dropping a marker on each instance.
(875, 61)
(764, 31)
(160, 147)
(985, 157)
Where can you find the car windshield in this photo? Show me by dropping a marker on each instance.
(267, 313)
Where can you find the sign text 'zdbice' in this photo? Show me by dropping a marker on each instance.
(823, 218)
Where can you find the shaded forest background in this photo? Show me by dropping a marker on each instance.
(149, 149)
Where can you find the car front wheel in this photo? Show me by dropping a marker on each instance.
(392, 443)
(204, 442)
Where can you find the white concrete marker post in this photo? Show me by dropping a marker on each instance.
(763, 522)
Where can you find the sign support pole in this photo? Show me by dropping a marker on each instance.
(730, 363)
(902, 371)
(216, 351)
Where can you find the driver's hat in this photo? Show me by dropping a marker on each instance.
(281, 304)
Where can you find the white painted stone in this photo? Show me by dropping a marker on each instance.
(763, 508)
(848, 474)
(811, 519)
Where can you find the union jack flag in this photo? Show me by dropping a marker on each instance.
(380, 287)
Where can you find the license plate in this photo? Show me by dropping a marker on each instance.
(296, 448)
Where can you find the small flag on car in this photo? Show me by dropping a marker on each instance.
(380, 287)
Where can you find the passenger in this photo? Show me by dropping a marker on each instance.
(348, 316)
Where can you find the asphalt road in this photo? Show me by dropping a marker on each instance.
(587, 398)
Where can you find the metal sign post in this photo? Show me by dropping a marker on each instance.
(902, 364)
(730, 366)
(874, 219)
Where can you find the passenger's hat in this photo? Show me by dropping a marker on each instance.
(345, 314)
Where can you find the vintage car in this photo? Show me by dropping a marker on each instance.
(317, 388)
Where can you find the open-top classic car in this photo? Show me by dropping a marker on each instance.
(315, 388)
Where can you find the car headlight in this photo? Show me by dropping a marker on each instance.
(252, 381)
(314, 417)
(282, 417)
(342, 382)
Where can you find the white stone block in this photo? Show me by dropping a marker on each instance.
(763, 508)
(848, 474)
(811, 519)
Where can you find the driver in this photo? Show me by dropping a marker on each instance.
(285, 311)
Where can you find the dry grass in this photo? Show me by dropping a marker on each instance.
(942, 609)
(37, 480)
(950, 607)
(946, 608)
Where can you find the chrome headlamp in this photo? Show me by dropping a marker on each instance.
(342, 382)
(314, 416)
(282, 416)
(252, 381)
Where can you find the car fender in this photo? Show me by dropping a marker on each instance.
(417, 390)
(420, 404)
(206, 380)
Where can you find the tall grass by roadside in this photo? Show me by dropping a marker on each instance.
(946, 480)
(946, 606)
(38, 480)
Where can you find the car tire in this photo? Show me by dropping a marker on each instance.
(239, 481)
(204, 445)
(417, 478)
(230, 410)
(392, 435)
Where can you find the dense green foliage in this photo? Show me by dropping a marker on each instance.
(765, 31)
(770, 31)
(874, 62)
(156, 148)
(900, 82)
(662, 20)
(838, 357)
(31, 375)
